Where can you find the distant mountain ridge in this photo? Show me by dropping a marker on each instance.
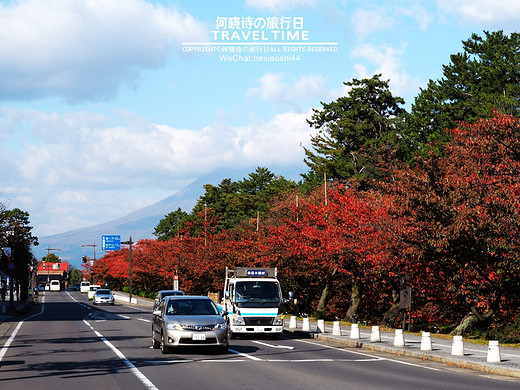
(139, 224)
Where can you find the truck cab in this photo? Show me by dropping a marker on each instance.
(253, 301)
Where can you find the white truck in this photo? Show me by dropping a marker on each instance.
(253, 301)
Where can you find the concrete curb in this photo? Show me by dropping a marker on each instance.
(491, 368)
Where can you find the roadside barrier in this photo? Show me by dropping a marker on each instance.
(292, 322)
(354, 331)
(399, 338)
(457, 346)
(426, 341)
(375, 336)
(493, 355)
(336, 329)
(306, 327)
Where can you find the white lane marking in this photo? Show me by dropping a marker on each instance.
(15, 332)
(245, 355)
(125, 317)
(272, 346)
(144, 319)
(372, 357)
(144, 380)
(321, 360)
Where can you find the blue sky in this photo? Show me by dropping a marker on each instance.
(103, 109)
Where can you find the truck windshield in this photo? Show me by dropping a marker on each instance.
(257, 291)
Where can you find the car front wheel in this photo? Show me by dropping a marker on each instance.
(155, 343)
(164, 348)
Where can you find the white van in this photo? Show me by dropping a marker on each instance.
(55, 285)
(85, 286)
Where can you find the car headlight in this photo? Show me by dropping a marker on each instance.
(238, 320)
(173, 326)
(221, 325)
(278, 321)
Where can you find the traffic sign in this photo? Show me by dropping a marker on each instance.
(111, 242)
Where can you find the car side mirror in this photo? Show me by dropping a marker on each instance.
(157, 313)
(224, 313)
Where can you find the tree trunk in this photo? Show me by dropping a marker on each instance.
(473, 319)
(355, 301)
(393, 312)
(325, 294)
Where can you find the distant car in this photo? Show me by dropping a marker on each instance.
(189, 321)
(76, 286)
(41, 287)
(92, 290)
(103, 295)
(163, 294)
(84, 287)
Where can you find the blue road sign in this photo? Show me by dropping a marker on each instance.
(111, 242)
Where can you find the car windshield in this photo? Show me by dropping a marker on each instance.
(194, 307)
(170, 293)
(102, 292)
(257, 291)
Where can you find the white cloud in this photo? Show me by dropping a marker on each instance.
(378, 17)
(87, 171)
(85, 50)
(278, 88)
(491, 13)
(280, 5)
(369, 21)
(386, 60)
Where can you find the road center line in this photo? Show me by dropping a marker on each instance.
(246, 355)
(144, 380)
(371, 356)
(271, 345)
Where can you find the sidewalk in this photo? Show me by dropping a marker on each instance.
(475, 355)
(136, 300)
(17, 309)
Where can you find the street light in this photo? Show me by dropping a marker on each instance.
(47, 262)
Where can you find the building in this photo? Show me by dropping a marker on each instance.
(52, 271)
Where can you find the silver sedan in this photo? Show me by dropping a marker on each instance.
(189, 321)
(103, 295)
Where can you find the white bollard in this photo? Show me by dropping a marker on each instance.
(292, 322)
(399, 338)
(426, 341)
(493, 355)
(375, 336)
(321, 326)
(336, 329)
(306, 327)
(354, 331)
(457, 347)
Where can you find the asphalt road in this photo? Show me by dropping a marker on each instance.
(66, 343)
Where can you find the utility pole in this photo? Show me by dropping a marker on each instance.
(129, 243)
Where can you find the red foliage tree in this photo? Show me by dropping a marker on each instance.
(466, 210)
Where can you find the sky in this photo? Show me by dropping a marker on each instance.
(108, 106)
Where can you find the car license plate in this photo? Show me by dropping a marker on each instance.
(198, 336)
